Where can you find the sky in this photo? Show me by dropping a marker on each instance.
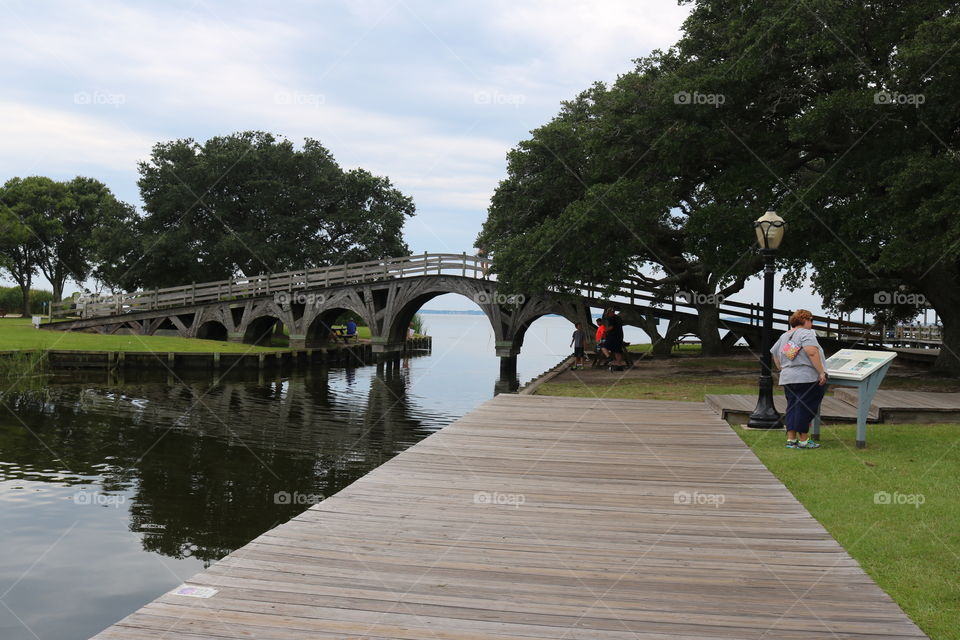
(431, 94)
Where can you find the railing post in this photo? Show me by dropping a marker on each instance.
(193, 292)
(426, 261)
(464, 264)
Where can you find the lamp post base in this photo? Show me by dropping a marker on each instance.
(765, 415)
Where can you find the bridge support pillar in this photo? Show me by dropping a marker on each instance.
(298, 341)
(508, 367)
(234, 337)
(506, 349)
(388, 354)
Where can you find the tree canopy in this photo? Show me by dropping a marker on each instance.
(249, 203)
(52, 227)
(841, 116)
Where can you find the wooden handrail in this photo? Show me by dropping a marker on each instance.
(459, 264)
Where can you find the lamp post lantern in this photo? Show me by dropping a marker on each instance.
(769, 229)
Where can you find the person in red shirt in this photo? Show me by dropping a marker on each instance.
(601, 329)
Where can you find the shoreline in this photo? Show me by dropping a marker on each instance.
(110, 359)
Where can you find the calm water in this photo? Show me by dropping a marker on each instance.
(113, 493)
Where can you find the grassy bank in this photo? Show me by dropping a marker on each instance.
(18, 333)
(909, 546)
(687, 390)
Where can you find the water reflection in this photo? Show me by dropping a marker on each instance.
(208, 465)
(116, 488)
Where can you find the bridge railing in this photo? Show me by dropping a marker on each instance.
(460, 264)
(632, 291)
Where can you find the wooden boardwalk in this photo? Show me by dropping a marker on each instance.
(736, 409)
(889, 405)
(893, 405)
(543, 517)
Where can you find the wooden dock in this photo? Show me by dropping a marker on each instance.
(543, 517)
(736, 409)
(895, 406)
(889, 406)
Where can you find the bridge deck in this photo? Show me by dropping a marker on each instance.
(612, 531)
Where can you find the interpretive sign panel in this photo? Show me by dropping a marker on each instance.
(857, 364)
(863, 370)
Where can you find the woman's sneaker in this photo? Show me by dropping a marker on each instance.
(791, 444)
(808, 444)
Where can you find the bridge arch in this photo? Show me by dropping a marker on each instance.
(260, 330)
(321, 310)
(406, 298)
(212, 330)
(320, 329)
(532, 311)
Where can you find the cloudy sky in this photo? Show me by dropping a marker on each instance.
(432, 94)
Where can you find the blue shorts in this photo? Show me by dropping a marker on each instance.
(803, 402)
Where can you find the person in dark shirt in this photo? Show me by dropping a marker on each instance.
(613, 337)
(577, 342)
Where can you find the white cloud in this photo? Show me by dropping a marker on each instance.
(41, 141)
(432, 95)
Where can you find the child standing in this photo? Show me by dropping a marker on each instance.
(577, 342)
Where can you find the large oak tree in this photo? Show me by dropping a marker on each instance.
(250, 203)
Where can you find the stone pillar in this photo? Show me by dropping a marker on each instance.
(508, 367)
(298, 341)
(385, 352)
(234, 337)
(506, 385)
(506, 348)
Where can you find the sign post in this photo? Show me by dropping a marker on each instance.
(863, 370)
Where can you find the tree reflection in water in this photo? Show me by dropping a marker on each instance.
(207, 465)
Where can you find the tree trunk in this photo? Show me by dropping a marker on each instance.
(659, 346)
(708, 330)
(938, 285)
(57, 291)
(948, 362)
(25, 292)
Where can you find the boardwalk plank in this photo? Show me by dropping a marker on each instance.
(616, 531)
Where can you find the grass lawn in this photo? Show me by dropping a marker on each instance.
(18, 333)
(911, 549)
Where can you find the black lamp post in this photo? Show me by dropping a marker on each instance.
(769, 228)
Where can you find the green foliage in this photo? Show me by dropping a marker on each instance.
(841, 116)
(55, 228)
(626, 183)
(851, 107)
(11, 300)
(419, 326)
(249, 203)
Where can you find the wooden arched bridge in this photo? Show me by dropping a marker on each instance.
(386, 294)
